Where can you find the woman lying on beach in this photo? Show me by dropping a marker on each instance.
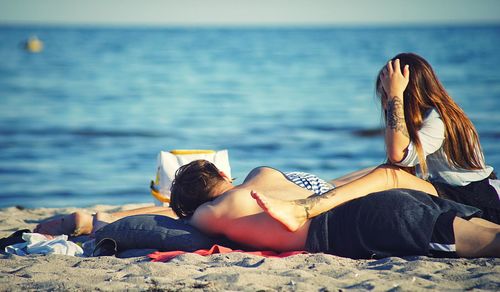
(391, 223)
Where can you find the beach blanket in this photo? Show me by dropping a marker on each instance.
(165, 256)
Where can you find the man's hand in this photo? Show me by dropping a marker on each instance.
(393, 81)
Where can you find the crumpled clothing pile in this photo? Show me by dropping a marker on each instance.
(36, 243)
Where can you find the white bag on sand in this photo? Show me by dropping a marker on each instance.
(169, 162)
(36, 243)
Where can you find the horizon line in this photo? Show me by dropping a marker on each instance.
(250, 25)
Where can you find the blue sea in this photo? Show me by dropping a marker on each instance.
(82, 122)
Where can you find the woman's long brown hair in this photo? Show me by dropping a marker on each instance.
(424, 92)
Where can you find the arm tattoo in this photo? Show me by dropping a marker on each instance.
(395, 116)
(309, 203)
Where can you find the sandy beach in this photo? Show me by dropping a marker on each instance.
(236, 271)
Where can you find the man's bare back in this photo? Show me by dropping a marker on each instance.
(236, 214)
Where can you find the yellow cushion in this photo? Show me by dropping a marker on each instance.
(187, 152)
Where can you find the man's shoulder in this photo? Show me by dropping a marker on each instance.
(203, 217)
(211, 215)
(222, 201)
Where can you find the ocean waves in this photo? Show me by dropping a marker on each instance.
(82, 122)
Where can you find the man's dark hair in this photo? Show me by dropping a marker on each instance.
(193, 185)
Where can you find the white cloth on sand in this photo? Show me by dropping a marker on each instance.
(36, 243)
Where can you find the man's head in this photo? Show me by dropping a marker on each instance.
(196, 183)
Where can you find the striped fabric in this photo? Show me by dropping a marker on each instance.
(442, 247)
(309, 181)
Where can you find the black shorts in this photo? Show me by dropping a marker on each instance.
(442, 243)
(397, 222)
(480, 194)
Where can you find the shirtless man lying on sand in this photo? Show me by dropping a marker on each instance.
(344, 221)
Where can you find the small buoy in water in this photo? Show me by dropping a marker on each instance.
(33, 45)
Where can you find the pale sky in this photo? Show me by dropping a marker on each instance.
(248, 12)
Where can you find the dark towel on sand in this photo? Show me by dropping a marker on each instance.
(390, 223)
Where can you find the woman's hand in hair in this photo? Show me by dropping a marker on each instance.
(393, 80)
(396, 135)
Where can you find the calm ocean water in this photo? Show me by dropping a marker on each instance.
(82, 122)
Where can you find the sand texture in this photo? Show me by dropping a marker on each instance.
(237, 271)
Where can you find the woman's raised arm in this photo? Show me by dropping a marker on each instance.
(394, 83)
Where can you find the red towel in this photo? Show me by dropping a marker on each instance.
(165, 256)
